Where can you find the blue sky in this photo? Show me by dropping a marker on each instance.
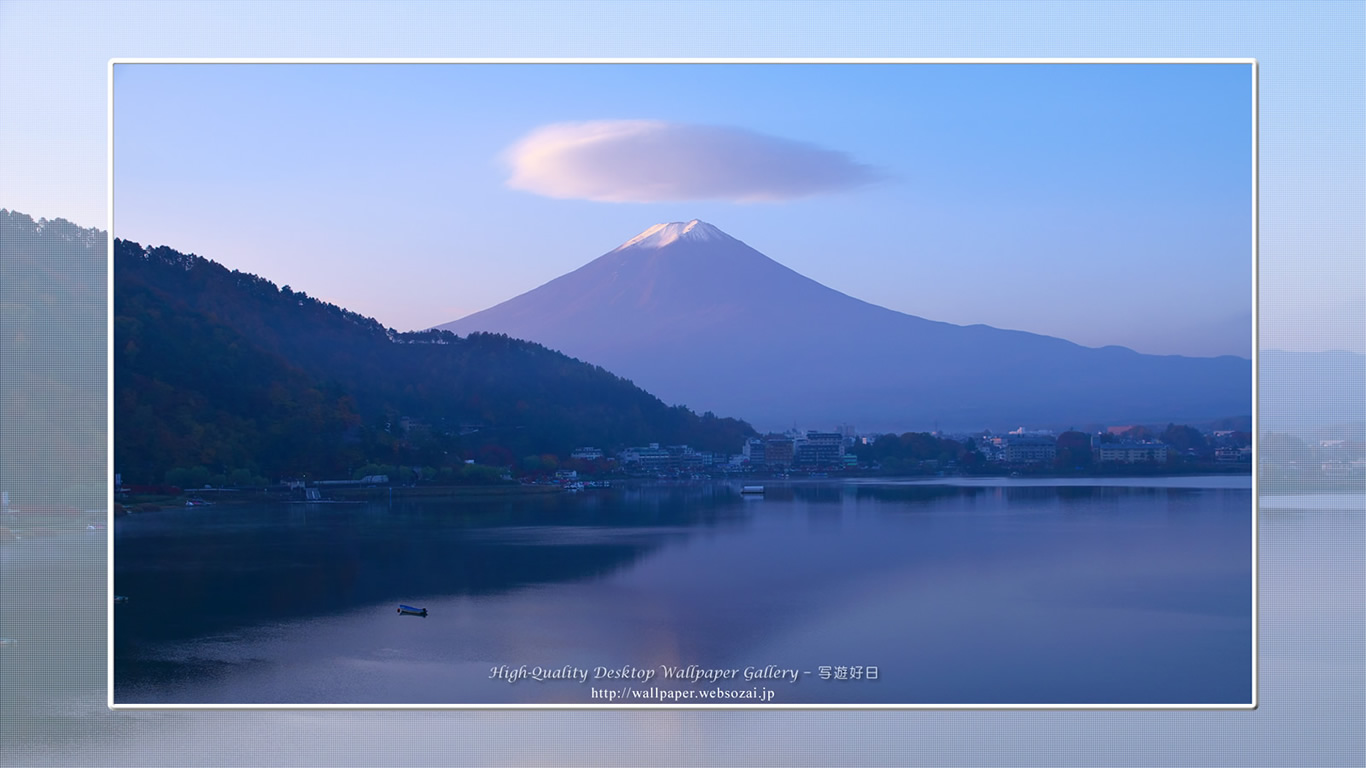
(1105, 204)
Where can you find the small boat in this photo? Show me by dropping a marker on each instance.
(120, 599)
(752, 490)
(408, 610)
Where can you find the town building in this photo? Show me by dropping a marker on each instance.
(1229, 454)
(779, 450)
(649, 458)
(820, 449)
(1030, 449)
(754, 453)
(682, 457)
(1131, 453)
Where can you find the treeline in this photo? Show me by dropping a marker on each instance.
(221, 370)
(914, 452)
(1184, 438)
(911, 452)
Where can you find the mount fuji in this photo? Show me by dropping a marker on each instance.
(699, 318)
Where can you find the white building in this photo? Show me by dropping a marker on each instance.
(1131, 453)
(1030, 449)
(649, 458)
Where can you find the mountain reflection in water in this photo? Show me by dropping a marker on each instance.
(1005, 592)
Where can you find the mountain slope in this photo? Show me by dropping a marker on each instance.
(701, 318)
(53, 383)
(223, 369)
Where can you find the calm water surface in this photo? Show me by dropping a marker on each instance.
(983, 591)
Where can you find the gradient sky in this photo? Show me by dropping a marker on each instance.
(1105, 204)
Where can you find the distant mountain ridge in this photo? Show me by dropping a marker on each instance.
(702, 319)
(1313, 394)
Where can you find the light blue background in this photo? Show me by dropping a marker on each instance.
(52, 163)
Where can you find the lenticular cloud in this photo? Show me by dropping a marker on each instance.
(647, 161)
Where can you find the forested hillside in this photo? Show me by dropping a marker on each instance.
(224, 370)
(53, 385)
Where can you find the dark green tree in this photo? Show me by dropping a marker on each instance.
(1073, 451)
(1184, 439)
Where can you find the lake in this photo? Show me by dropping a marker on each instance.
(966, 591)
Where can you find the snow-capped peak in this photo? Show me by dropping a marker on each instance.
(661, 235)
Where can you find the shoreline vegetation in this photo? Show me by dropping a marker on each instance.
(19, 524)
(213, 496)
